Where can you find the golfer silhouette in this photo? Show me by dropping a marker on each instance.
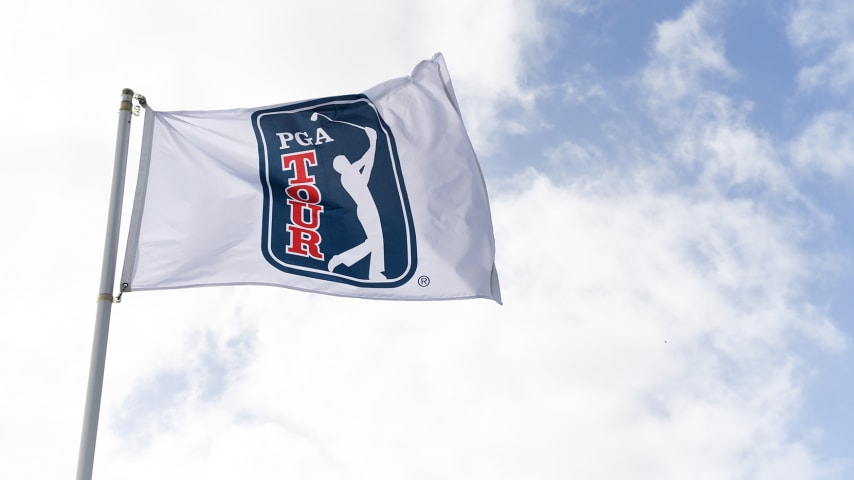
(354, 180)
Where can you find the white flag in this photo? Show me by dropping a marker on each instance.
(373, 195)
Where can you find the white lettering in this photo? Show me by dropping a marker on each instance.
(285, 137)
(322, 137)
(303, 138)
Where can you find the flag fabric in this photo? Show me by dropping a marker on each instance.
(373, 195)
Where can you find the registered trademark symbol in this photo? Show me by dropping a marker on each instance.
(423, 280)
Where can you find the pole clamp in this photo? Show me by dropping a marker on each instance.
(109, 297)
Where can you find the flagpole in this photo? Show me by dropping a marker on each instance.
(86, 457)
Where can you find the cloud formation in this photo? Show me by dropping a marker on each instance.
(822, 30)
(826, 145)
(656, 299)
(645, 320)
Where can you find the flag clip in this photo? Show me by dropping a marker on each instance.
(122, 290)
(141, 103)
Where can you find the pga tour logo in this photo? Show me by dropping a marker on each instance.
(335, 206)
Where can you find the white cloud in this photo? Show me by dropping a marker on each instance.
(684, 52)
(584, 87)
(836, 70)
(643, 326)
(647, 331)
(817, 21)
(827, 145)
(64, 67)
(569, 155)
(224, 55)
(822, 30)
(718, 140)
(709, 134)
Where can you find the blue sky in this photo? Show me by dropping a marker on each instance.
(611, 44)
(670, 188)
(755, 38)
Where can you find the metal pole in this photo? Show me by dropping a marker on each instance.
(86, 458)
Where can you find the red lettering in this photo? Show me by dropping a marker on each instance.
(304, 192)
(299, 163)
(305, 215)
(304, 203)
(304, 242)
